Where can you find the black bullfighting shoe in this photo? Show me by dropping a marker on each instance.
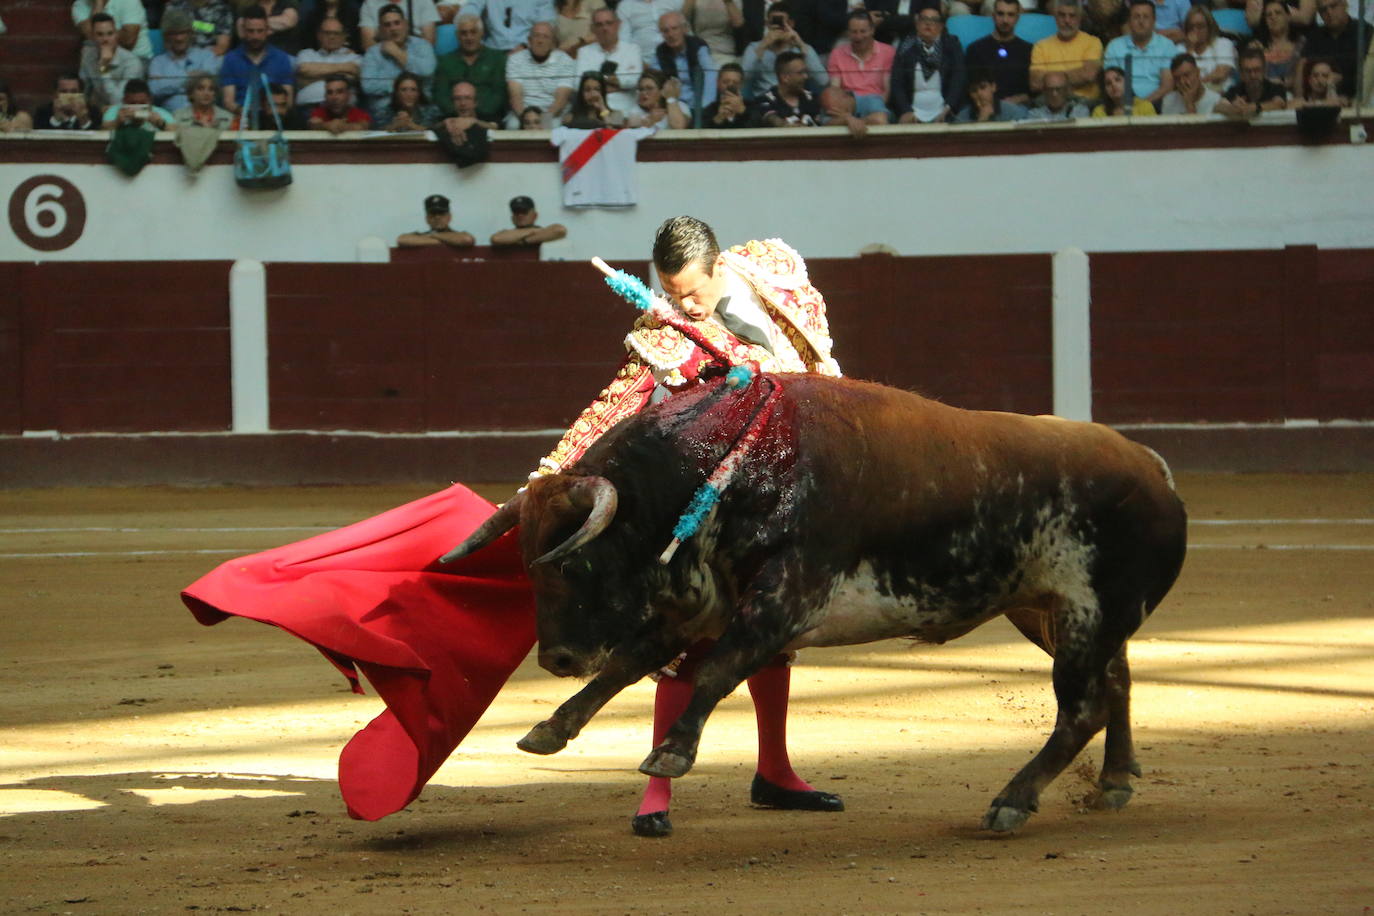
(655, 824)
(764, 793)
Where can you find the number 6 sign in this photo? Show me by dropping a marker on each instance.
(47, 213)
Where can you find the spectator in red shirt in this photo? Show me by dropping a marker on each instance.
(338, 114)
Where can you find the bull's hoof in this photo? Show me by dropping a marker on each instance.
(1005, 819)
(664, 762)
(543, 739)
(767, 795)
(1113, 798)
(655, 824)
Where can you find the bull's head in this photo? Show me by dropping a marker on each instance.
(588, 597)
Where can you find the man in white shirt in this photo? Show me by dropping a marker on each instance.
(540, 75)
(641, 18)
(422, 15)
(1191, 95)
(620, 62)
(131, 23)
(332, 56)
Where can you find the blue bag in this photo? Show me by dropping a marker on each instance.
(266, 163)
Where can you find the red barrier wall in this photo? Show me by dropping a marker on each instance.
(466, 345)
(1233, 336)
(119, 347)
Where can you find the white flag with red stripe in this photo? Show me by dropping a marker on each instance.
(599, 165)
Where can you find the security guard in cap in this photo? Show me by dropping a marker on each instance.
(526, 231)
(439, 217)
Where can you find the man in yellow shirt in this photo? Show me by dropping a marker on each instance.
(1071, 51)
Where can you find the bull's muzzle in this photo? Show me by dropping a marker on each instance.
(562, 662)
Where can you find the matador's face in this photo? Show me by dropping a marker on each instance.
(695, 289)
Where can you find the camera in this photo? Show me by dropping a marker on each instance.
(608, 67)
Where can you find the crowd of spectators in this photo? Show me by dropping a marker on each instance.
(343, 66)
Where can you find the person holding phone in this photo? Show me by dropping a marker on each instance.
(137, 108)
(779, 36)
(619, 62)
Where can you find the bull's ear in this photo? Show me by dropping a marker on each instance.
(501, 521)
(596, 494)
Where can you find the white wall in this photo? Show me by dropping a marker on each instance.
(1157, 200)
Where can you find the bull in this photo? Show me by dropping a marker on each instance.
(857, 512)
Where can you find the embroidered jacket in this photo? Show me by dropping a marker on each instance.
(658, 352)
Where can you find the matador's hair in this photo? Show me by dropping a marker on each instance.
(684, 240)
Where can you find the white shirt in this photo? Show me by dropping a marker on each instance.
(541, 81)
(745, 305)
(928, 99)
(641, 18)
(313, 94)
(629, 65)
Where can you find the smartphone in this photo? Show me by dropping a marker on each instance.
(608, 67)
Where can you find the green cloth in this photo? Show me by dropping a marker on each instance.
(487, 73)
(130, 148)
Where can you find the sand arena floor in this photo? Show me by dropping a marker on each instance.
(151, 765)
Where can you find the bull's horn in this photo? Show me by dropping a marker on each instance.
(500, 521)
(600, 493)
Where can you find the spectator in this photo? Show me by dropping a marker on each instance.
(283, 18)
(252, 57)
(839, 108)
(1057, 102)
(588, 110)
(641, 18)
(439, 218)
(729, 110)
(212, 23)
(1105, 18)
(619, 61)
(397, 51)
(716, 22)
(105, 65)
(1113, 92)
(863, 67)
(68, 110)
(573, 27)
(12, 118)
(652, 107)
(1338, 41)
(1004, 56)
(1169, 18)
(1149, 53)
(1302, 12)
(408, 108)
(345, 11)
(201, 92)
(894, 20)
(527, 230)
(532, 118)
(928, 78)
(1214, 52)
(463, 99)
(1070, 51)
(1282, 46)
(760, 58)
(788, 103)
(1253, 93)
(1319, 86)
(130, 20)
(284, 104)
(421, 18)
(508, 22)
(540, 75)
(686, 59)
(984, 105)
(332, 57)
(484, 68)
(167, 72)
(337, 114)
(137, 108)
(1190, 95)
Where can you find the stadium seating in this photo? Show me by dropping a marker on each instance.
(969, 29)
(445, 39)
(1232, 22)
(1035, 26)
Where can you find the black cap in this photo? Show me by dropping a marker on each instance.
(521, 204)
(436, 203)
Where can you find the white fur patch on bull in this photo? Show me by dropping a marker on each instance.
(1056, 559)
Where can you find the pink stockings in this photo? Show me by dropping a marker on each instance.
(769, 689)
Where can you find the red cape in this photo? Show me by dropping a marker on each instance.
(436, 642)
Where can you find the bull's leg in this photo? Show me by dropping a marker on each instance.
(1119, 763)
(627, 664)
(740, 652)
(1081, 689)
